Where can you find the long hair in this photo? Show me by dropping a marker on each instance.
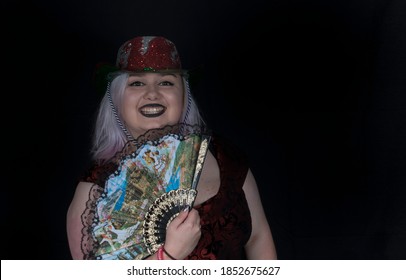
(109, 135)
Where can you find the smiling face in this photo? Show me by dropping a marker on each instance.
(152, 100)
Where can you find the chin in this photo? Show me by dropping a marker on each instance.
(155, 125)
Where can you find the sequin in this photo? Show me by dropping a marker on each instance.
(148, 54)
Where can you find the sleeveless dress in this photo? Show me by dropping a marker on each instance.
(225, 218)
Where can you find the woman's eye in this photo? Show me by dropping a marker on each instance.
(136, 84)
(166, 83)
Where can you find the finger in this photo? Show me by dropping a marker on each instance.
(193, 218)
(180, 218)
(194, 215)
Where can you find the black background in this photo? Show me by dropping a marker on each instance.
(313, 91)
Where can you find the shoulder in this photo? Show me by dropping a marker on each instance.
(81, 195)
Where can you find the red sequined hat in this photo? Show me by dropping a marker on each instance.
(140, 54)
(148, 54)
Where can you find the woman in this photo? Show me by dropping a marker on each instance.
(148, 92)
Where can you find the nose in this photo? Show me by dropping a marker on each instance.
(151, 93)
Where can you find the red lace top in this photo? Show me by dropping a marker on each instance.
(225, 217)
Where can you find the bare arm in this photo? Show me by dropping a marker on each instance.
(73, 219)
(260, 246)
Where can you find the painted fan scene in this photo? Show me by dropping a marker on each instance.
(147, 191)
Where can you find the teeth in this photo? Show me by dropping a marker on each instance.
(151, 110)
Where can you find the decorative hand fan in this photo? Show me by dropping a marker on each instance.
(156, 178)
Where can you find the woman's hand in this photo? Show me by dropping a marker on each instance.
(183, 234)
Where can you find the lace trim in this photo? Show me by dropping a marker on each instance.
(89, 218)
(154, 137)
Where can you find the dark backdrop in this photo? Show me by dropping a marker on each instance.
(313, 91)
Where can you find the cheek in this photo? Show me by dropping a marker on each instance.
(128, 104)
(178, 105)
